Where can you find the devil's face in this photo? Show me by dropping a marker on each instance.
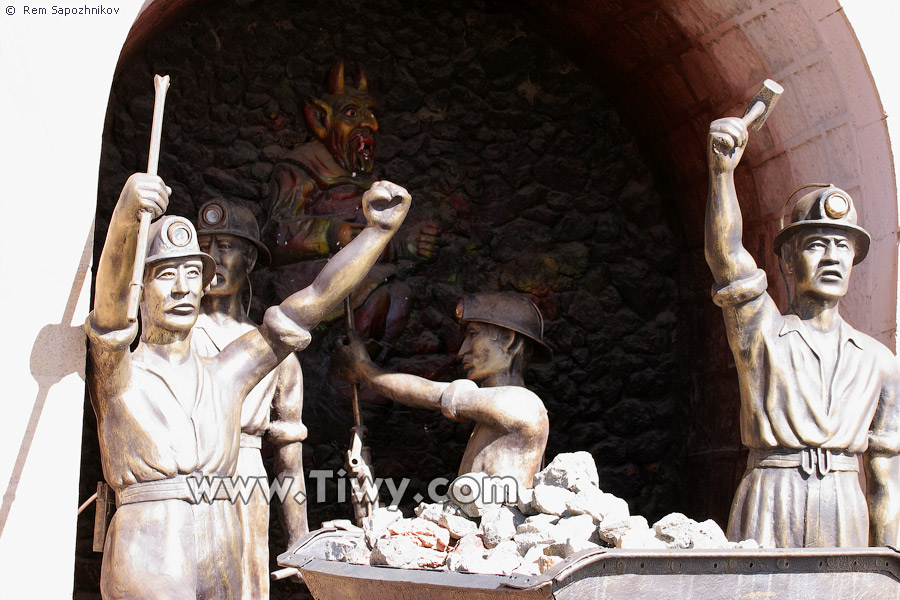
(351, 136)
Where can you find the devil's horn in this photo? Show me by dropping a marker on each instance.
(362, 84)
(336, 79)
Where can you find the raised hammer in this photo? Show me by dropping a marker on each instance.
(762, 104)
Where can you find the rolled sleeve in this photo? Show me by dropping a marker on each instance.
(278, 326)
(451, 397)
(740, 291)
(117, 340)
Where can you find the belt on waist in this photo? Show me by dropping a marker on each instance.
(808, 460)
(174, 488)
(248, 440)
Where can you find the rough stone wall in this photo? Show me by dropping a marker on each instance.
(537, 184)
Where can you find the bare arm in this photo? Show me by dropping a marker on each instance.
(353, 365)
(142, 192)
(883, 497)
(725, 253)
(882, 463)
(286, 432)
(286, 326)
(505, 408)
(108, 328)
(347, 268)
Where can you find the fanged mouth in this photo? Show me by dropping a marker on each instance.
(364, 145)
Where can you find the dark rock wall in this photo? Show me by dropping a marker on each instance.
(537, 184)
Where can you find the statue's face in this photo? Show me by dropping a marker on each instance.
(351, 137)
(820, 261)
(230, 253)
(483, 351)
(172, 292)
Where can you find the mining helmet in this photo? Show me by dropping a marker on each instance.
(222, 216)
(175, 237)
(509, 310)
(827, 207)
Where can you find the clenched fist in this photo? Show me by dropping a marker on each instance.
(727, 140)
(143, 193)
(385, 205)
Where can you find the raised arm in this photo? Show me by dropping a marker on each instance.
(286, 327)
(353, 365)
(108, 329)
(142, 192)
(385, 206)
(725, 253)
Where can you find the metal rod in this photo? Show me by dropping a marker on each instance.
(285, 573)
(161, 85)
(348, 316)
(87, 503)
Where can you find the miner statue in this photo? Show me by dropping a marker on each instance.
(168, 417)
(816, 394)
(228, 232)
(503, 332)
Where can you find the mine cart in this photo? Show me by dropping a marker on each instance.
(838, 573)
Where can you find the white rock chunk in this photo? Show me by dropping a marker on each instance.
(499, 524)
(376, 525)
(573, 471)
(611, 532)
(551, 500)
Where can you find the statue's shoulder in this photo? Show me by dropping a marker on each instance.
(525, 396)
(883, 355)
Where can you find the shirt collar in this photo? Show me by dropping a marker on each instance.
(847, 333)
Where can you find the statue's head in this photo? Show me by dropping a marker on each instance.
(176, 272)
(229, 233)
(822, 243)
(344, 120)
(504, 331)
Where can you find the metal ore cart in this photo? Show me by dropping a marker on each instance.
(796, 573)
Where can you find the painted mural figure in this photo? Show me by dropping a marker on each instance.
(314, 206)
(816, 394)
(504, 331)
(229, 234)
(167, 416)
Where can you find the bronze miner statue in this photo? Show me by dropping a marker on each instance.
(504, 331)
(168, 416)
(229, 234)
(816, 394)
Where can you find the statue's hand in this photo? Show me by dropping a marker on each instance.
(726, 143)
(341, 233)
(143, 193)
(385, 205)
(348, 356)
(421, 240)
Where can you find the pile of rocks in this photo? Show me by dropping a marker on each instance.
(565, 512)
